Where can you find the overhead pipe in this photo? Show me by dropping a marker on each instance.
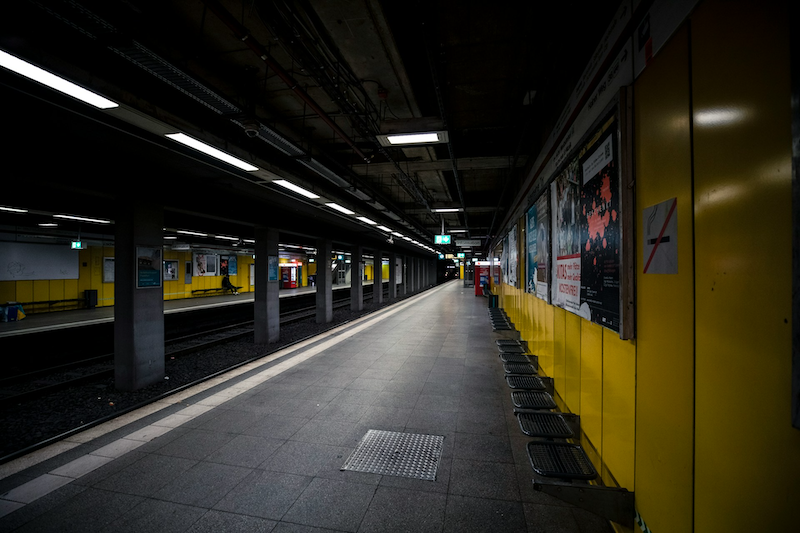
(244, 35)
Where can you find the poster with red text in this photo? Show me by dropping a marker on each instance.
(565, 193)
(600, 232)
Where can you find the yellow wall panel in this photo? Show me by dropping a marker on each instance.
(41, 291)
(56, 289)
(572, 390)
(747, 453)
(70, 289)
(664, 304)
(8, 291)
(559, 374)
(592, 384)
(24, 291)
(619, 408)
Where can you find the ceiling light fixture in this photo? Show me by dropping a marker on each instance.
(341, 209)
(195, 233)
(13, 209)
(48, 225)
(23, 68)
(292, 187)
(447, 210)
(224, 238)
(384, 228)
(405, 139)
(83, 219)
(366, 220)
(207, 149)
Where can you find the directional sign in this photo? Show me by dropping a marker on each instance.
(442, 239)
(466, 243)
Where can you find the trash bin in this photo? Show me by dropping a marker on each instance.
(90, 296)
(492, 300)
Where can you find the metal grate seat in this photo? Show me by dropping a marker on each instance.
(501, 327)
(544, 424)
(560, 459)
(511, 349)
(519, 368)
(508, 342)
(525, 382)
(528, 399)
(514, 358)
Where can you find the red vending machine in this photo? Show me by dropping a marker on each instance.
(481, 276)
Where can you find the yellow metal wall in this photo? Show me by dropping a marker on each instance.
(747, 455)
(664, 302)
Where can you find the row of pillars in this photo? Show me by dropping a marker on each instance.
(139, 310)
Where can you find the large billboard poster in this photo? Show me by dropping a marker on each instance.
(566, 287)
(542, 257)
(600, 230)
(513, 257)
(531, 255)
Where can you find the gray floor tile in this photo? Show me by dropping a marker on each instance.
(147, 475)
(394, 509)
(203, 485)
(196, 444)
(329, 431)
(265, 494)
(550, 519)
(590, 522)
(477, 515)
(349, 412)
(489, 448)
(397, 399)
(332, 504)
(385, 418)
(234, 421)
(33, 510)
(155, 515)
(367, 384)
(320, 393)
(275, 426)
(439, 485)
(304, 458)
(479, 479)
(431, 421)
(298, 408)
(438, 402)
(246, 450)
(360, 397)
(220, 522)
(481, 422)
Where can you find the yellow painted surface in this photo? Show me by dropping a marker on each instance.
(8, 291)
(572, 353)
(559, 374)
(24, 291)
(747, 463)
(592, 384)
(619, 409)
(41, 290)
(70, 289)
(664, 305)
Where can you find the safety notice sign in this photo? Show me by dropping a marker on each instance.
(661, 238)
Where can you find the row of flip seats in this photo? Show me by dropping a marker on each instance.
(500, 321)
(561, 468)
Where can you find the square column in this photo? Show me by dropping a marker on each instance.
(356, 277)
(392, 276)
(138, 297)
(377, 282)
(405, 274)
(266, 313)
(324, 281)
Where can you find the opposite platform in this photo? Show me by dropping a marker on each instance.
(262, 449)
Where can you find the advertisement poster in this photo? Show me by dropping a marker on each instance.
(227, 265)
(600, 227)
(148, 267)
(565, 192)
(513, 257)
(504, 259)
(199, 265)
(532, 252)
(543, 247)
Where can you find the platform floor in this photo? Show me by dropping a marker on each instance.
(261, 449)
(37, 322)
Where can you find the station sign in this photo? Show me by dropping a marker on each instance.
(442, 239)
(466, 243)
(460, 255)
(78, 245)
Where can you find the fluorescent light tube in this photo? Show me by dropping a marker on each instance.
(295, 188)
(23, 68)
(223, 237)
(413, 138)
(366, 220)
(210, 150)
(447, 210)
(48, 225)
(13, 209)
(384, 228)
(340, 209)
(83, 219)
(195, 233)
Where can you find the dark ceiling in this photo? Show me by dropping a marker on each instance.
(313, 82)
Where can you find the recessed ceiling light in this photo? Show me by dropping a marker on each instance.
(13, 209)
(207, 149)
(83, 219)
(340, 208)
(35, 73)
(295, 188)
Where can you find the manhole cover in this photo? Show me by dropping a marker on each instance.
(397, 454)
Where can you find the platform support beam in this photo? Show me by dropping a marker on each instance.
(138, 297)
(267, 305)
(377, 282)
(356, 278)
(392, 276)
(324, 281)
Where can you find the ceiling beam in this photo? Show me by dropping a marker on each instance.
(464, 163)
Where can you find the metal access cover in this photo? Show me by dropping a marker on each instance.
(397, 454)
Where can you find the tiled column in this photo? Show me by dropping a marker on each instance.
(377, 282)
(324, 281)
(267, 305)
(356, 277)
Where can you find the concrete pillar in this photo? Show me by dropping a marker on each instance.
(404, 274)
(267, 326)
(324, 281)
(356, 278)
(414, 266)
(392, 276)
(138, 297)
(377, 283)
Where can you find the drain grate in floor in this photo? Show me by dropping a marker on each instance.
(397, 454)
